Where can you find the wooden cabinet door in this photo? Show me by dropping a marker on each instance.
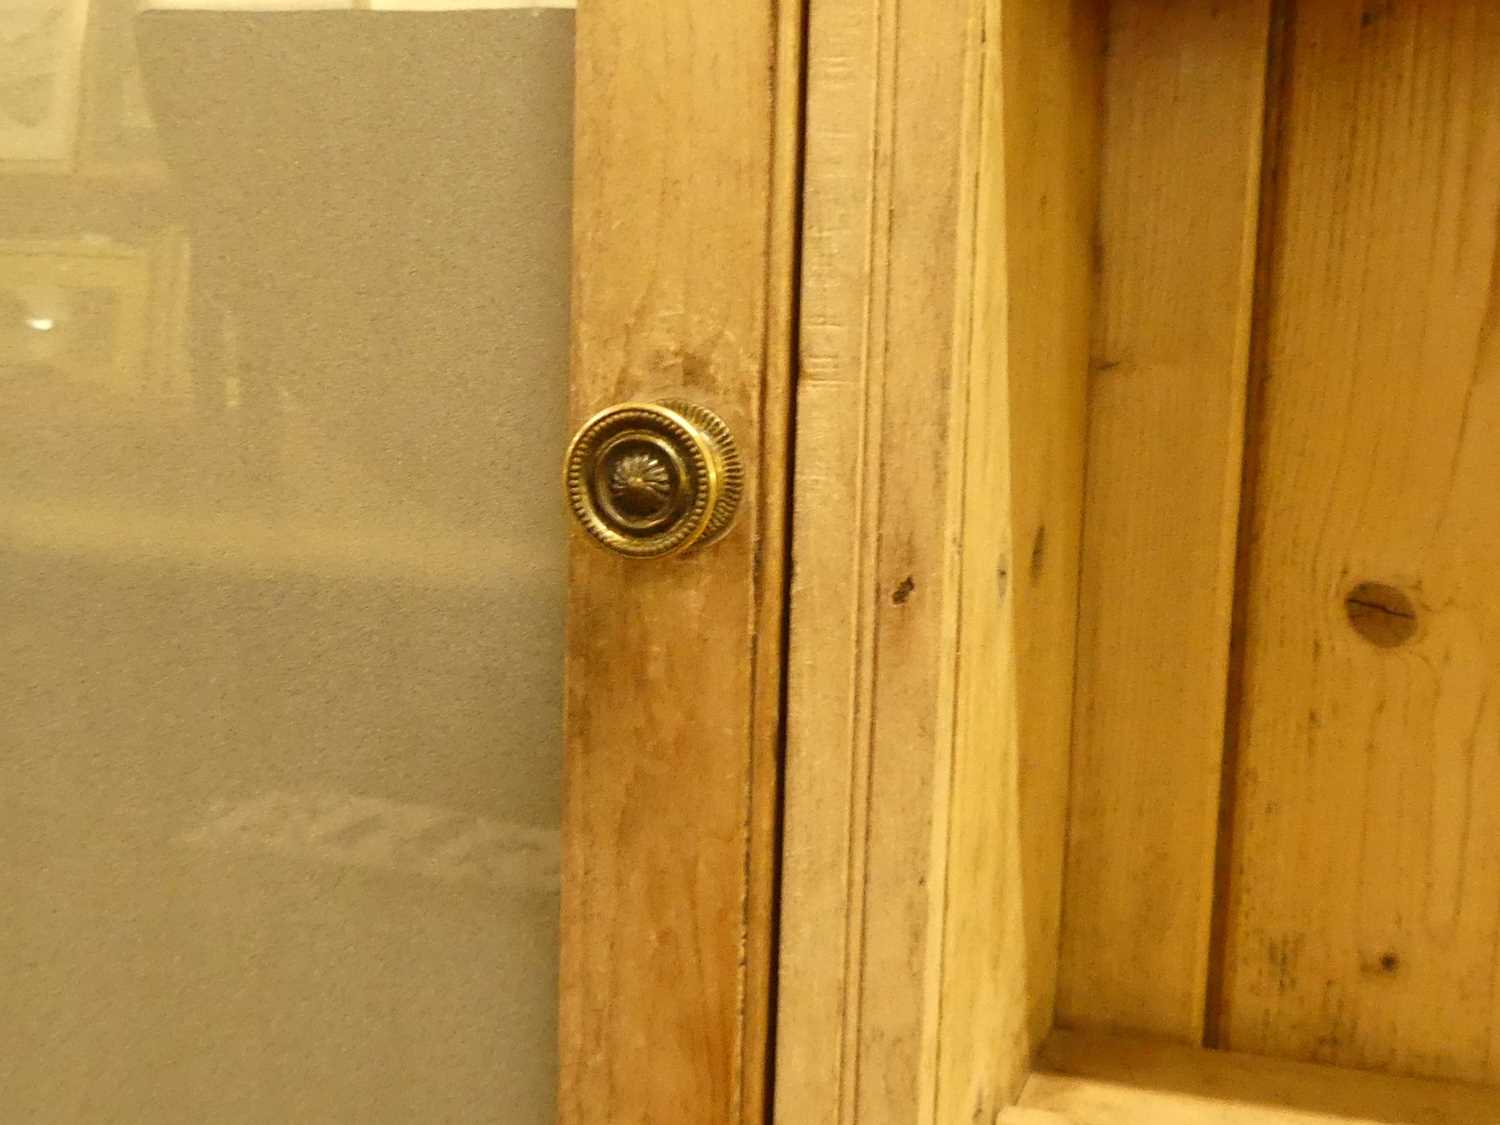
(344, 779)
(683, 261)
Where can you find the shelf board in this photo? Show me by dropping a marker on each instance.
(1089, 1079)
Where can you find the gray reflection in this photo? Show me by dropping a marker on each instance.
(283, 351)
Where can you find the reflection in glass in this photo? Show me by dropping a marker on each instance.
(283, 353)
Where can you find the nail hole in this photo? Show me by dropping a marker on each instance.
(1038, 551)
(1386, 963)
(902, 592)
(1381, 614)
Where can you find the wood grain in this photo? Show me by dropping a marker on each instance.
(1021, 511)
(874, 583)
(918, 929)
(1364, 909)
(830, 658)
(1183, 102)
(686, 156)
(1096, 1080)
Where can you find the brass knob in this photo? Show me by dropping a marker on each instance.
(649, 479)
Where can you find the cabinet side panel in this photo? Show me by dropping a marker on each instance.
(1182, 119)
(1021, 509)
(1364, 890)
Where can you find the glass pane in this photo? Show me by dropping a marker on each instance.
(283, 355)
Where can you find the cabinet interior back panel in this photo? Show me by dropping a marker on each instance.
(1361, 897)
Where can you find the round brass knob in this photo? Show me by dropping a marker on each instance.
(649, 479)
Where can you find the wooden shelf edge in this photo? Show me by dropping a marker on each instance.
(1084, 1078)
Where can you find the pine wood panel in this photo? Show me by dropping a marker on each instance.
(873, 582)
(903, 455)
(1021, 517)
(1096, 1080)
(1364, 909)
(686, 150)
(835, 504)
(1183, 101)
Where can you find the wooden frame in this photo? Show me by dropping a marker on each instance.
(939, 475)
(1033, 339)
(686, 153)
(687, 119)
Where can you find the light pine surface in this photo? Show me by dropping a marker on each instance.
(1180, 164)
(1021, 514)
(873, 562)
(1364, 896)
(850, 52)
(913, 977)
(1086, 1079)
(1337, 331)
(687, 119)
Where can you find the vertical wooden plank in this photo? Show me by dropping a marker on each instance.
(1021, 511)
(835, 503)
(1364, 910)
(686, 155)
(909, 987)
(1183, 100)
(918, 473)
(871, 658)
